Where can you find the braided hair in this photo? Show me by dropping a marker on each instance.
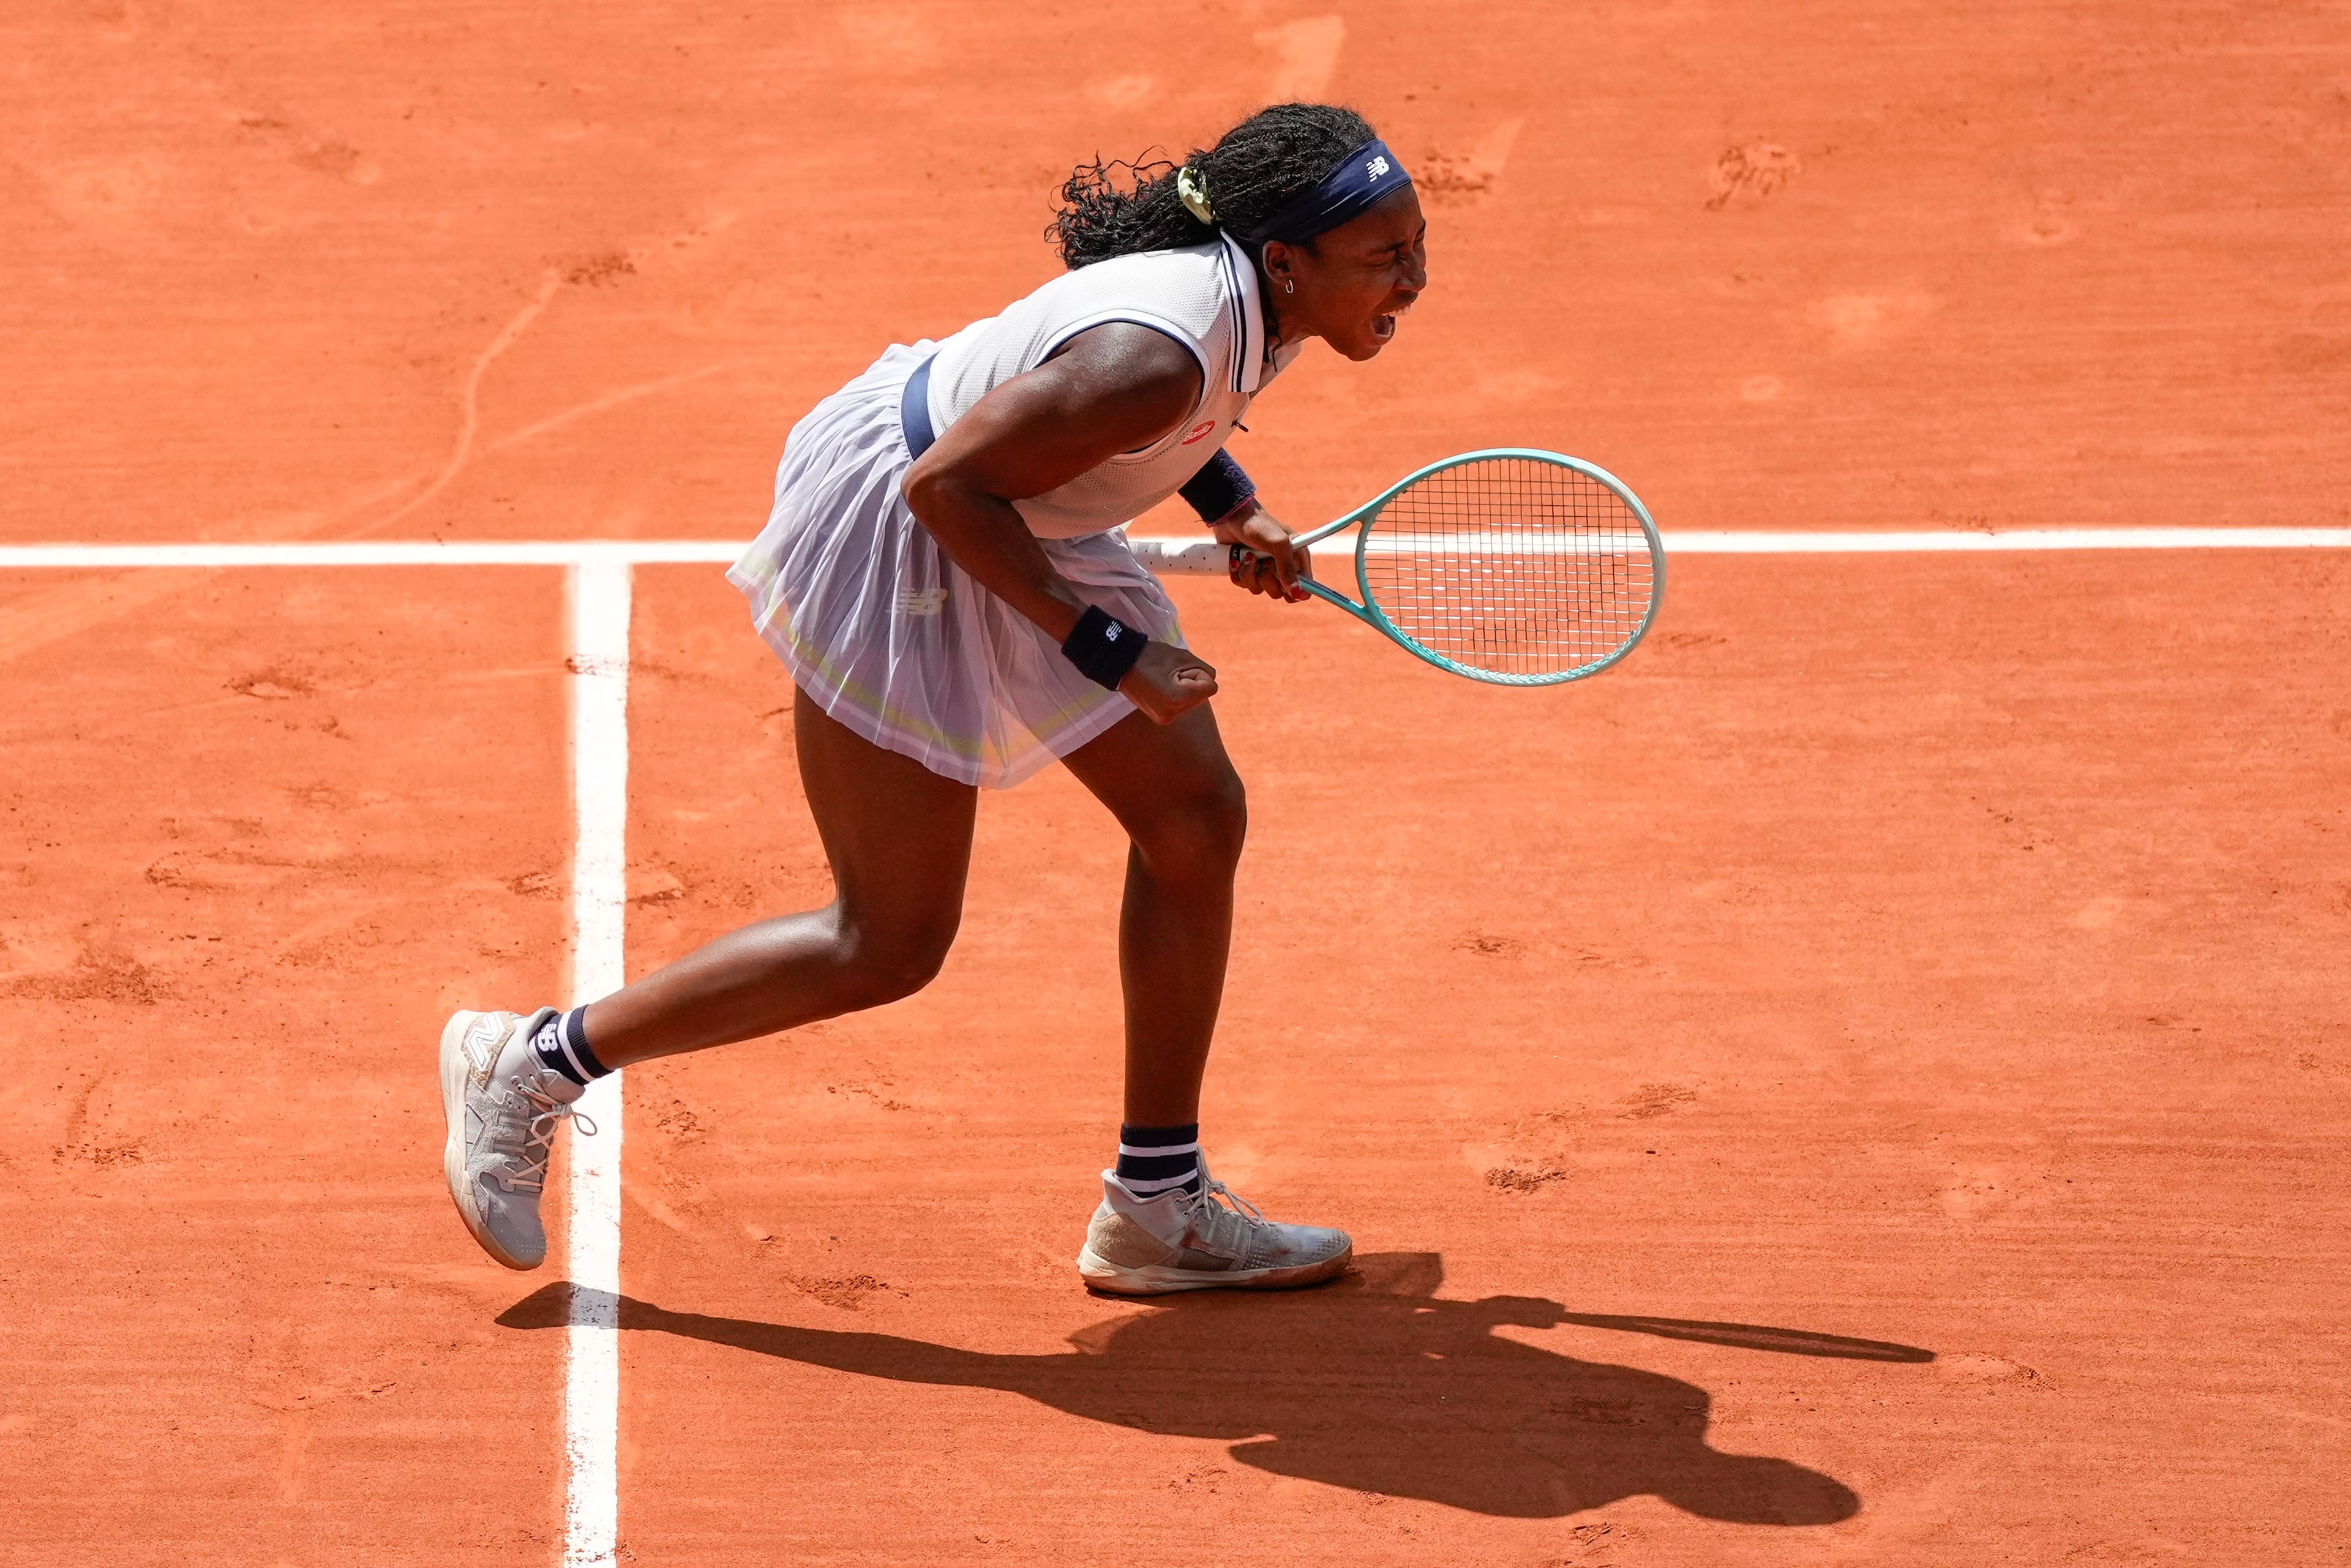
(1252, 170)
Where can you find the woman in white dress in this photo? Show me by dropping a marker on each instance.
(942, 575)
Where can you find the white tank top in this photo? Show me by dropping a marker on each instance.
(1204, 297)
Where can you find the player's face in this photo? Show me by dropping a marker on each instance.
(1357, 280)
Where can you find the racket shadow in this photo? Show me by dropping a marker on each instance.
(1373, 1384)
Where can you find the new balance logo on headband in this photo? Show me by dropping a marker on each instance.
(1365, 175)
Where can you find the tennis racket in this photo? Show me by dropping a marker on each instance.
(1518, 566)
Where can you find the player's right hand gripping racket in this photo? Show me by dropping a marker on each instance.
(1513, 566)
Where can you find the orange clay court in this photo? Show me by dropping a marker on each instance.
(1865, 1081)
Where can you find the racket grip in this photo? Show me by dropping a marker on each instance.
(1183, 558)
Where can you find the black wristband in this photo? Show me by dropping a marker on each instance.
(1219, 489)
(1103, 649)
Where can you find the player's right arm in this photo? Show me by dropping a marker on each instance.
(1116, 387)
(1270, 560)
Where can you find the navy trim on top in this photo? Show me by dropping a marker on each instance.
(915, 410)
(1241, 316)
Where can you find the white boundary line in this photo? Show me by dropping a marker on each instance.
(382, 552)
(586, 553)
(598, 583)
(1964, 543)
(599, 594)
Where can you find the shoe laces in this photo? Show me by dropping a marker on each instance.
(1225, 1216)
(525, 1134)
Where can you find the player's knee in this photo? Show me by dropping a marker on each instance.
(891, 961)
(1200, 834)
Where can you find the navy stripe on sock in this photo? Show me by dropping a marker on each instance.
(574, 1042)
(561, 1044)
(1152, 1160)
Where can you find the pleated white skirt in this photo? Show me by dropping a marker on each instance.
(889, 636)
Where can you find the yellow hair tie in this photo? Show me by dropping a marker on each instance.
(1194, 190)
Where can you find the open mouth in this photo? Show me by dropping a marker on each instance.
(1384, 327)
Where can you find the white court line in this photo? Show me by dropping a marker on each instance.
(1964, 543)
(599, 592)
(1197, 556)
(648, 552)
(599, 580)
(377, 552)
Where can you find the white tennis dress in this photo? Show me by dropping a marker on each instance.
(896, 641)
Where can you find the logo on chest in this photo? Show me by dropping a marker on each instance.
(1196, 432)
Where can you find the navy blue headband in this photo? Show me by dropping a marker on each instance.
(1364, 178)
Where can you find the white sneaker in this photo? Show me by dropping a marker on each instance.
(1218, 1240)
(503, 1108)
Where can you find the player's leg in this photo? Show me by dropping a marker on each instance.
(1186, 813)
(1164, 1224)
(899, 840)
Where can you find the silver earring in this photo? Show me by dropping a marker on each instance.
(1290, 286)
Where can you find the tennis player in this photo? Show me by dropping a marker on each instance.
(943, 576)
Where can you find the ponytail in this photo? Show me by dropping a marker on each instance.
(1120, 208)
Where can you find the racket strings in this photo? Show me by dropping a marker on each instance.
(1512, 568)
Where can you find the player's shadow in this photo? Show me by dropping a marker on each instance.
(1371, 1383)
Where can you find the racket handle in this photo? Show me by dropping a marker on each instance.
(1184, 558)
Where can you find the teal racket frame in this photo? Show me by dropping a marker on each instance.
(1211, 557)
